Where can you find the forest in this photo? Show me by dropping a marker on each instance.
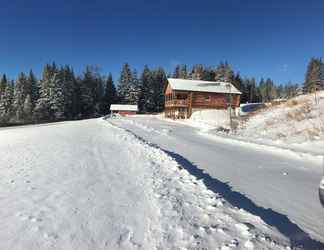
(59, 94)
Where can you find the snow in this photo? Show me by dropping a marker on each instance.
(322, 183)
(91, 185)
(205, 119)
(279, 186)
(123, 107)
(202, 86)
(297, 124)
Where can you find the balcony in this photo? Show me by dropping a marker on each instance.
(176, 103)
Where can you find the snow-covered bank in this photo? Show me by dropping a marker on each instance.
(297, 125)
(89, 185)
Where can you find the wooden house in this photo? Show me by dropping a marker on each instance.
(183, 97)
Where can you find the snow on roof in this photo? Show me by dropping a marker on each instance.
(123, 107)
(202, 86)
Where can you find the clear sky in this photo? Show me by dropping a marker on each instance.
(257, 37)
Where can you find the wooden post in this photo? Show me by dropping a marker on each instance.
(189, 104)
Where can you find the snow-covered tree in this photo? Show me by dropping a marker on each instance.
(125, 82)
(6, 104)
(86, 93)
(314, 79)
(146, 100)
(110, 94)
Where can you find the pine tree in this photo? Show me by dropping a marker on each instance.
(110, 94)
(27, 109)
(134, 89)
(3, 84)
(183, 73)
(42, 110)
(86, 92)
(21, 90)
(57, 100)
(313, 78)
(146, 101)
(125, 84)
(176, 73)
(159, 82)
(208, 74)
(224, 73)
(34, 88)
(237, 82)
(70, 92)
(6, 104)
(197, 72)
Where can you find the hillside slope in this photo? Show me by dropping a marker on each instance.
(299, 123)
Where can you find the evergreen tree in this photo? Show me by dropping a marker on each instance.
(176, 73)
(42, 110)
(21, 90)
(224, 73)
(27, 109)
(183, 73)
(146, 101)
(125, 82)
(57, 100)
(237, 82)
(6, 101)
(197, 72)
(314, 76)
(86, 93)
(159, 82)
(3, 84)
(208, 74)
(34, 88)
(134, 89)
(110, 94)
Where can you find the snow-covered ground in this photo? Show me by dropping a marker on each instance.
(91, 185)
(297, 124)
(279, 186)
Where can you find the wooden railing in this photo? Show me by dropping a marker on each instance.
(176, 103)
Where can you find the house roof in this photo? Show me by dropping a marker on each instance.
(123, 107)
(202, 86)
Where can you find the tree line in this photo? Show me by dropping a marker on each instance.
(60, 94)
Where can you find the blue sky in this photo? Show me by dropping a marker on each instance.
(258, 38)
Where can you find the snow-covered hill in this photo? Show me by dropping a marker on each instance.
(299, 124)
(90, 185)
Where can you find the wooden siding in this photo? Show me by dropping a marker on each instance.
(213, 100)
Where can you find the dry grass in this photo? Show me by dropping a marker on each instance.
(291, 103)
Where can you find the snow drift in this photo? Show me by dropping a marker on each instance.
(298, 123)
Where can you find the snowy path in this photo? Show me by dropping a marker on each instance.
(89, 185)
(284, 182)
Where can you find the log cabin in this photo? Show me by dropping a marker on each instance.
(183, 97)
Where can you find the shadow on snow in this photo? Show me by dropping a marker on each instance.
(298, 238)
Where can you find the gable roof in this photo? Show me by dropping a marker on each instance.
(123, 107)
(202, 86)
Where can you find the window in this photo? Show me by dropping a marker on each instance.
(207, 98)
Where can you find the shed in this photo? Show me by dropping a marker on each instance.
(123, 109)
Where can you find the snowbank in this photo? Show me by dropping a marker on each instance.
(298, 124)
(212, 118)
